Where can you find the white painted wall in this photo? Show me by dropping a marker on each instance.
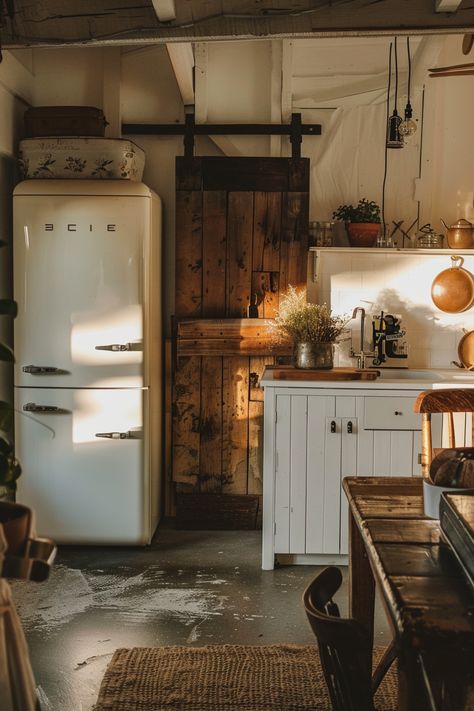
(398, 283)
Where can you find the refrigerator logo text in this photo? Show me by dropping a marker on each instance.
(72, 227)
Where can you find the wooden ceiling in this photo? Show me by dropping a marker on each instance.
(60, 22)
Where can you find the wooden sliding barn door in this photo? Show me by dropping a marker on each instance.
(241, 230)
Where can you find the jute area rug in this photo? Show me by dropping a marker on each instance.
(223, 678)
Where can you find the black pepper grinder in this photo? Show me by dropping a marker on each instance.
(252, 308)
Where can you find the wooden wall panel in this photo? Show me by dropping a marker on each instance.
(235, 424)
(210, 471)
(257, 367)
(188, 254)
(239, 252)
(214, 239)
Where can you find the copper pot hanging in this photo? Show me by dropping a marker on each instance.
(452, 290)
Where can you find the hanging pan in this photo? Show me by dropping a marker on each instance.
(466, 351)
(452, 290)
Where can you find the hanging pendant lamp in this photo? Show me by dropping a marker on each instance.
(408, 126)
(394, 139)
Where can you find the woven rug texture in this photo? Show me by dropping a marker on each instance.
(223, 678)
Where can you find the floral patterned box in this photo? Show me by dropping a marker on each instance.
(81, 157)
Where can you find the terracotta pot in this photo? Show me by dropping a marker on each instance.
(363, 234)
(16, 522)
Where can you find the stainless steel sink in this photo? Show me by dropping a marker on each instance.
(410, 374)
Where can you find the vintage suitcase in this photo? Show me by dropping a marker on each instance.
(457, 527)
(81, 158)
(64, 121)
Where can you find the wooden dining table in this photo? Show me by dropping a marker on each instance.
(428, 601)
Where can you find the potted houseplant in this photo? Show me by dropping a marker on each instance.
(311, 327)
(362, 222)
(15, 519)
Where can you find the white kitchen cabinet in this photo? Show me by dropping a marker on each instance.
(313, 438)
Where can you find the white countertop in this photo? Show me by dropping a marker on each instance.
(390, 379)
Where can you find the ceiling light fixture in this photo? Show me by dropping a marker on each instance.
(408, 126)
(394, 139)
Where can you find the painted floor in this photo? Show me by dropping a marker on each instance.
(187, 588)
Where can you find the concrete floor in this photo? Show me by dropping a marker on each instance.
(187, 588)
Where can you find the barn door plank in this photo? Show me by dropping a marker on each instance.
(239, 252)
(210, 474)
(235, 424)
(294, 240)
(188, 253)
(266, 232)
(186, 423)
(214, 253)
(265, 285)
(255, 472)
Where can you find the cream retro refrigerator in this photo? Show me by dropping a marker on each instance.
(88, 393)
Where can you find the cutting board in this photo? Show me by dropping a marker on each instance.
(291, 373)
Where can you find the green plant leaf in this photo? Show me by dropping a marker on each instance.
(6, 416)
(6, 354)
(8, 307)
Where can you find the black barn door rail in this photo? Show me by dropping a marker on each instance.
(295, 130)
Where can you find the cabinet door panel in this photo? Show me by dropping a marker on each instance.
(282, 478)
(321, 412)
(332, 487)
(401, 453)
(365, 443)
(298, 474)
(348, 468)
(381, 453)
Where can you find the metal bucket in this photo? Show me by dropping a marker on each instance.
(314, 355)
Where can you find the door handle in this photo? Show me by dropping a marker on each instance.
(44, 370)
(350, 427)
(132, 346)
(45, 409)
(129, 434)
(333, 426)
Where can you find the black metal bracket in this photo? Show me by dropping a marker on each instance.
(295, 130)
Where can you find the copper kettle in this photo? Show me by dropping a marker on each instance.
(460, 235)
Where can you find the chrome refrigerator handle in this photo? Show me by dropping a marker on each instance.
(130, 434)
(45, 409)
(133, 346)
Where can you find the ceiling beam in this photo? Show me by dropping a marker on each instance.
(447, 5)
(182, 60)
(165, 10)
(121, 22)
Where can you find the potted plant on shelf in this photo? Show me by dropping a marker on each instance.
(362, 222)
(311, 327)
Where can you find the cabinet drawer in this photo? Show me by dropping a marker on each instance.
(390, 413)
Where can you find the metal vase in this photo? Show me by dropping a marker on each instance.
(314, 355)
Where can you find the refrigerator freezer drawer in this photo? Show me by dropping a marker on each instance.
(84, 488)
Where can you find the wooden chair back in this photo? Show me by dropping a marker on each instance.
(440, 401)
(344, 648)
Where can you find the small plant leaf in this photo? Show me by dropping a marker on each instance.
(8, 307)
(6, 354)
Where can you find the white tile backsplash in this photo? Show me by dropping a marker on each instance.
(398, 283)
